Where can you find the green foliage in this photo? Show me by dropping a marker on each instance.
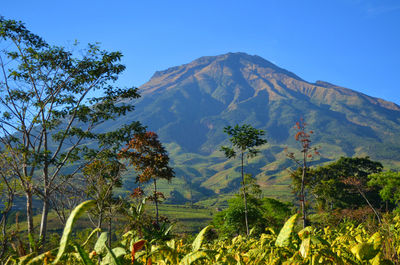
(231, 221)
(389, 182)
(338, 184)
(244, 138)
(275, 212)
(262, 213)
(354, 245)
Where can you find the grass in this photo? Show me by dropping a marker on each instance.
(186, 219)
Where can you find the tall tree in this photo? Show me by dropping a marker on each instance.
(51, 100)
(244, 141)
(150, 160)
(303, 137)
(8, 192)
(102, 176)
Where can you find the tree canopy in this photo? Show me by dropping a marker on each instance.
(51, 101)
(336, 185)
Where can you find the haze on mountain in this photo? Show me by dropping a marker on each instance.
(189, 105)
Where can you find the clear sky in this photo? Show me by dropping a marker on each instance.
(352, 43)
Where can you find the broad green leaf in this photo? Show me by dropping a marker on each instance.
(25, 259)
(75, 214)
(305, 247)
(283, 239)
(305, 232)
(166, 252)
(319, 240)
(200, 238)
(83, 255)
(378, 260)
(171, 243)
(237, 239)
(364, 251)
(194, 256)
(39, 260)
(99, 247)
(112, 256)
(376, 240)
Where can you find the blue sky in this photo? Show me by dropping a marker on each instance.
(352, 43)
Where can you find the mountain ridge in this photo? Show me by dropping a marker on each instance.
(189, 105)
(150, 86)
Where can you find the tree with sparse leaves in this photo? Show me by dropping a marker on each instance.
(244, 141)
(102, 176)
(150, 159)
(51, 100)
(303, 137)
(8, 193)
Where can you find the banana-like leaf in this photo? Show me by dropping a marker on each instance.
(112, 256)
(99, 247)
(378, 260)
(364, 251)
(376, 240)
(305, 232)
(84, 257)
(200, 238)
(319, 240)
(90, 236)
(194, 256)
(10, 259)
(305, 247)
(39, 260)
(25, 259)
(171, 244)
(136, 247)
(166, 252)
(75, 214)
(284, 236)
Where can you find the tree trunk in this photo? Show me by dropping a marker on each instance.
(46, 202)
(109, 227)
(3, 221)
(100, 222)
(245, 199)
(302, 196)
(156, 199)
(29, 217)
(43, 222)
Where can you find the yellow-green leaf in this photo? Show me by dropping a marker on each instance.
(305, 247)
(283, 239)
(200, 238)
(75, 214)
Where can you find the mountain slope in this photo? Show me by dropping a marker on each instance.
(189, 105)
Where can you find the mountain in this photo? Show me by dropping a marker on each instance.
(189, 105)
